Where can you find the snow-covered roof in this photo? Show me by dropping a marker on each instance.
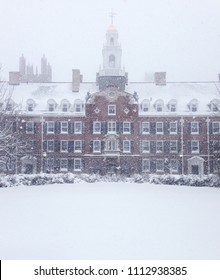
(180, 94)
(183, 94)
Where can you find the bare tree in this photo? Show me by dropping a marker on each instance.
(11, 143)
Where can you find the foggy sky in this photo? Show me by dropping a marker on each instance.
(181, 37)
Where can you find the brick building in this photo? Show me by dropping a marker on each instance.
(113, 125)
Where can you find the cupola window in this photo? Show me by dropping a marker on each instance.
(112, 61)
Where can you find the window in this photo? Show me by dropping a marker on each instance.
(111, 110)
(77, 127)
(50, 127)
(173, 146)
(51, 107)
(126, 146)
(194, 107)
(9, 107)
(159, 165)
(216, 146)
(30, 127)
(159, 107)
(64, 146)
(64, 127)
(145, 127)
(145, 146)
(173, 165)
(145, 165)
(216, 165)
(112, 145)
(77, 164)
(194, 146)
(173, 127)
(159, 128)
(159, 146)
(78, 106)
(145, 105)
(172, 107)
(194, 127)
(111, 127)
(65, 107)
(216, 127)
(49, 164)
(50, 145)
(77, 146)
(126, 127)
(96, 146)
(63, 164)
(30, 107)
(96, 127)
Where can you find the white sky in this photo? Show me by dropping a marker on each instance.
(181, 37)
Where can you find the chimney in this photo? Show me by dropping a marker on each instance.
(76, 79)
(14, 78)
(160, 78)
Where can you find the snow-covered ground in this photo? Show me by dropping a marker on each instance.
(109, 221)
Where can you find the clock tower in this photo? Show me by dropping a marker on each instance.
(112, 74)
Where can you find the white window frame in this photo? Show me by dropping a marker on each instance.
(78, 146)
(49, 164)
(173, 163)
(65, 107)
(215, 144)
(112, 145)
(77, 162)
(126, 127)
(111, 110)
(159, 146)
(194, 128)
(172, 107)
(96, 146)
(50, 142)
(51, 107)
(158, 162)
(78, 107)
(96, 127)
(30, 107)
(159, 107)
(145, 128)
(193, 146)
(78, 130)
(63, 164)
(64, 127)
(194, 107)
(217, 129)
(50, 127)
(126, 146)
(174, 128)
(173, 146)
(64, 143)
(159, 130)
(30, 129)
(145, 165)
(145, 146)
(111, 127)
(145, 107)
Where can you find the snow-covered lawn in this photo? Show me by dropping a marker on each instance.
(109, 221)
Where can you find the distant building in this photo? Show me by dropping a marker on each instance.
(116, 126)
(27, 73)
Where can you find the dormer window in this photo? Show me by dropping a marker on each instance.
(78, 106)
(172, 105)
(30, 105)
(159, 105)
(145, 105)
(193, 105)
(64, 105)
(215, 105)
(51, 105)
